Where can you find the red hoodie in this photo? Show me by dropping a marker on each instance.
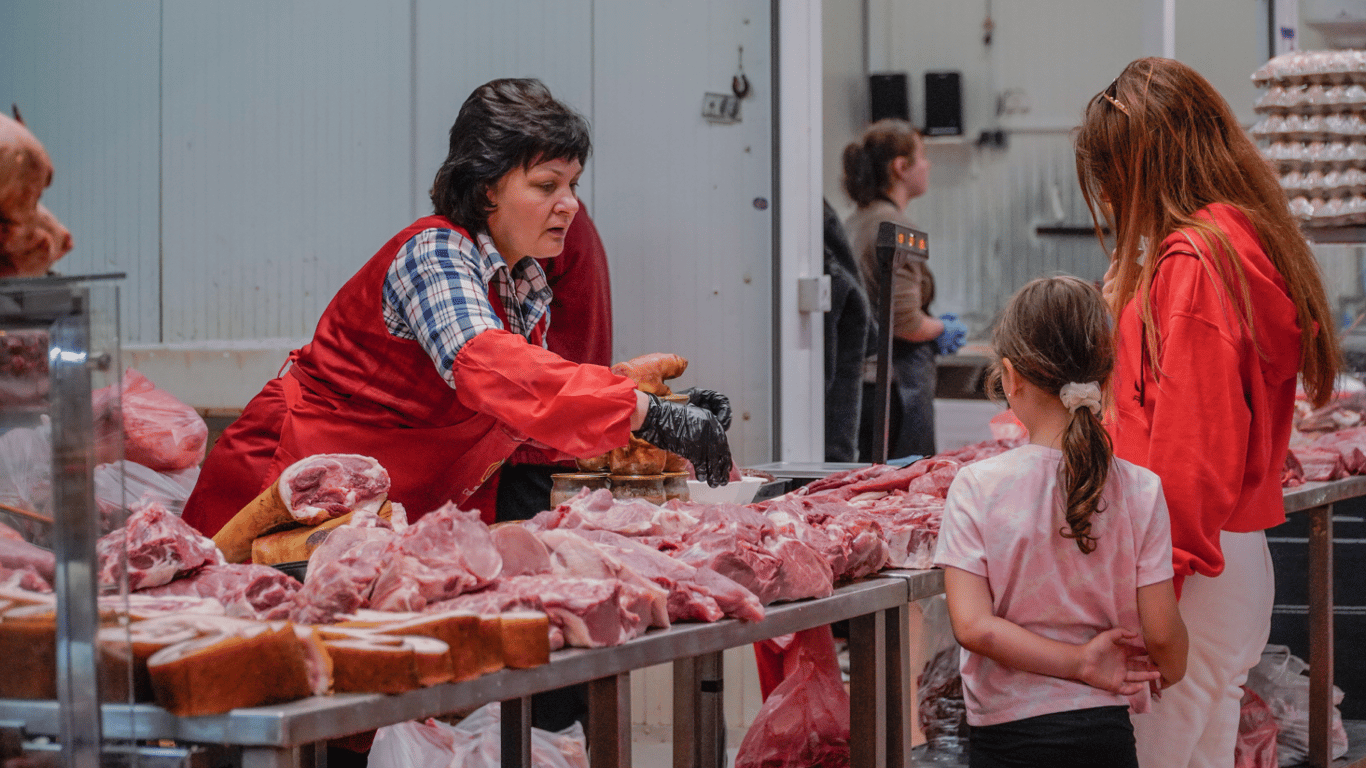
(1215, 426)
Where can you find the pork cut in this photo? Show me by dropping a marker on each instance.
(342, 572)
(245, 591)
(447, 552)
(156, 546)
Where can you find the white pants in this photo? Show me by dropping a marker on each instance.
(1195, 723)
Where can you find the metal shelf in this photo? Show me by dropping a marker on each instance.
(324, 717)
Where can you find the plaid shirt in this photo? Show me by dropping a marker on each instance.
(437, 292)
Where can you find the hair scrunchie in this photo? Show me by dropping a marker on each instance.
(1076, 396)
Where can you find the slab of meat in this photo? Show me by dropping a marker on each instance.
(521, 551)
(446, 553)
(156, 546)
(695, 594)
(245, 591)
(1320, 465)
(1293, 472)
(342, 573)
(17, 554)
(1350, 444)
(573, 555)
(24, 578)
(599, 511)
(589, 613)
(319, 488)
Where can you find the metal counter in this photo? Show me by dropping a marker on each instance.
(1316, 500)
(275, 735)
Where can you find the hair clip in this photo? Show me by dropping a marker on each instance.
(1116, 102)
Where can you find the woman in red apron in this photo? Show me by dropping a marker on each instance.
(432, 358)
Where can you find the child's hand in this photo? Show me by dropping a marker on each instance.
(1110, 662)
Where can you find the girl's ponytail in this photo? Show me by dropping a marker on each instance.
(1086, 456)
(1056, 333)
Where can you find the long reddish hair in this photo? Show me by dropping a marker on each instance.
(1157, 146)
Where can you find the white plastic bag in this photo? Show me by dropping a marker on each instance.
(1281, 679)
(475, 742)
(414, 743)
(120, 484)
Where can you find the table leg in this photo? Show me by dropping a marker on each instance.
(898, 655)
(1320, 635)
(609, 721)
(711, 711)
(685, 712)
(273, 757)
(516, 732)
(868, 690)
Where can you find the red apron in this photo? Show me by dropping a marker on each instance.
(356, 388)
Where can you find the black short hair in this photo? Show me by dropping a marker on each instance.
(503, 124)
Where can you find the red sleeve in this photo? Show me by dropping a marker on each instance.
(581, 309)
(1201, 421)
(583, 410)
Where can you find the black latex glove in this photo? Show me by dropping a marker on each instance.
(691, 432)
(714, 401)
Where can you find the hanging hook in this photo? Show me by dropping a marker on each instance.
(739, 84)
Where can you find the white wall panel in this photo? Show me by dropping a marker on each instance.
(85, 77)
(287, 158)
(461, 46)
(691, 254)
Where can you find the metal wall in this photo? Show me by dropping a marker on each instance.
(985, 203)
(240, 160)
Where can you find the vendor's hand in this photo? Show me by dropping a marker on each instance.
(691, 432)
(714, 401)
(954, 336)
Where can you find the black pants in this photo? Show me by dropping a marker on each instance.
(1083, 738)
(524, 491)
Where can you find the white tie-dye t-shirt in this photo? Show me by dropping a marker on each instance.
(1002, 522)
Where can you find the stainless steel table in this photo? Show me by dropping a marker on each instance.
(284, 735)
(1316, 500)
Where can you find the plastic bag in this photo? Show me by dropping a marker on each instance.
(804, 722)
(159, 431)
(940, 709)
(26, 480)
(120, 484)
(1257, 731)
(1280, 679)
(413, 743)
(475, 742)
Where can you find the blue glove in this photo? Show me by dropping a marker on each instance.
(954, 336)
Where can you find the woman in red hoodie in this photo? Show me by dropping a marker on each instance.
(1219, 306)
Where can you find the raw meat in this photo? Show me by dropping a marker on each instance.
(159, 431)
(156, 545)
(695, 594)
(342, 573)
(521, 551)
(572, 555)
(319, 488)
(245, 591)
(17, 554)
(598, 511)
(446, 553)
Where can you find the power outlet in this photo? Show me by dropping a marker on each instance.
(720, 108)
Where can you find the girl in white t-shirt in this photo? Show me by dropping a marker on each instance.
(1057, 556)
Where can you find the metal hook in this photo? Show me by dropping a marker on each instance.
(739, 85)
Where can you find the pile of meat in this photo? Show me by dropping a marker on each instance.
(1328, 443)
(387, 606)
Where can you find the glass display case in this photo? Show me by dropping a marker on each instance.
(59, 379)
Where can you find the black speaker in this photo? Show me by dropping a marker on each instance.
(890, 96)
(943, 104)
